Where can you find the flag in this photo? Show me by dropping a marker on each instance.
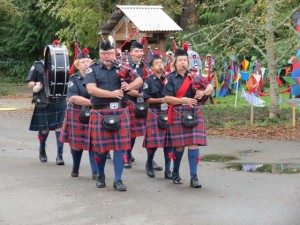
(245, 76)
(263, 70)
(287, 70)
(245, 64)
(289, 80)
(296, 76)
(290, 101)
(252, 99)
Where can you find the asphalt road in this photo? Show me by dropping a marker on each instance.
(37, 193)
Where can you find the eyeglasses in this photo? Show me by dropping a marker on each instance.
(106, 53)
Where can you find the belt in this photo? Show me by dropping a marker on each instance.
(107, 105)
(57, 100)
(76, 106)
(154, 106)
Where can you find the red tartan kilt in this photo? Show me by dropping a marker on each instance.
(154, 136)
(137, 125)
(72, 131)
(102, 140)
(179, 136)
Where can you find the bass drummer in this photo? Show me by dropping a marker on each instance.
(48, 112)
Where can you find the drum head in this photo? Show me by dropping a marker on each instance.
(56, 71)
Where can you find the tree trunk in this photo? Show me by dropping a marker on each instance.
(189, 14)
(271, 59)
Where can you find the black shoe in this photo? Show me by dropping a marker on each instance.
(195, 182)
(132, 159)
(119, 186)
(149, 171)
(94, 175)
(100, 182)
(177, 178)
(42, 155)
(127, 165)
(108, 155)
(156, 167)
(60, 161)
(168, 175)
(75, 173)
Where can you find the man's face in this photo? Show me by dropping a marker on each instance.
(182, 61)
(107, 57)
(136, 54)
(157, 66)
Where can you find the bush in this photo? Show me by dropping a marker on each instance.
(5, 92)
(15, 71)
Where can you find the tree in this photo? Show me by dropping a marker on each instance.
(189, 16)
(252, 27)
(26, 32)
(85, 17)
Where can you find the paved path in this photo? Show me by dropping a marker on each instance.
(37, 193)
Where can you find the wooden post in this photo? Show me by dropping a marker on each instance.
(294, 115)
(251, 115)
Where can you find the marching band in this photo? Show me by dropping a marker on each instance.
(123, 96)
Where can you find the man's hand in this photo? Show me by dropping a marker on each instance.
(124, 86)
(191, 101)
(37, 88)
(199, 94)
(118, 94)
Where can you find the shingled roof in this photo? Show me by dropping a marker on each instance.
(145, 18)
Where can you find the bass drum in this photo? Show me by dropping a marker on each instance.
(57, 66)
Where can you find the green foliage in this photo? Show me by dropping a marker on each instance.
(6, 91)
(225, 115)
(14, 70)
(26, 31)
(239, 28)
(83, 18)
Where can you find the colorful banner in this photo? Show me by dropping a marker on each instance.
(245, 76)
(289, 80)
(252, 99)
(290, 101)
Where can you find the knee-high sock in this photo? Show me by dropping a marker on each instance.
(92, 162)
(100, 159)
(150, 155)
(193, 155)
(59, 144)
(118, 164)
(129, 151)
(177, 156)
(167, 151)
(76, 155)
(42, 138)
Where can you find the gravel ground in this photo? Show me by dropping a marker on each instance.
(37, 193)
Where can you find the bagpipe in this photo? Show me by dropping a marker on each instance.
(197, 83)
(124, 71)
(121, 62)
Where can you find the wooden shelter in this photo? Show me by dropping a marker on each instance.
(131, 22)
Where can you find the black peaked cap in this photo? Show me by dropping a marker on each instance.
(136, 44)
(105, 46)
(180, 52)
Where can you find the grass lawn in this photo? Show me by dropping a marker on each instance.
(225, 115)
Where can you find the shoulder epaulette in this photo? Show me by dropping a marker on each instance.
(39, 62)
(95, 64)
